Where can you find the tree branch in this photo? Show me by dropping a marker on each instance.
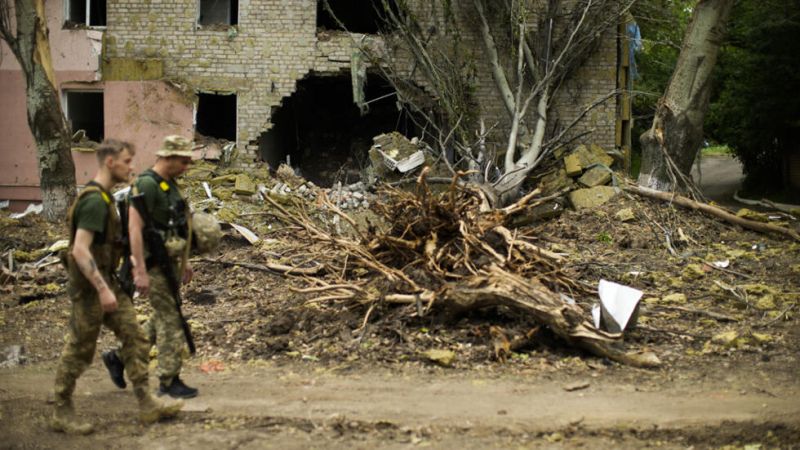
(506, 94)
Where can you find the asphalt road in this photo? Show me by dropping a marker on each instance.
(719, 177)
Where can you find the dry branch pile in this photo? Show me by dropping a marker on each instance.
(440, 250)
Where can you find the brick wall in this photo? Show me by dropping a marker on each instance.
(275, 44)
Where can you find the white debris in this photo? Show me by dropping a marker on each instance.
(251, 237)
(32, 208)
(618, 306)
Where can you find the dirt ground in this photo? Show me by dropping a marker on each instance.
(278, 369)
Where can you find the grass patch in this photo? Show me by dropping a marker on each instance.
(717, 150)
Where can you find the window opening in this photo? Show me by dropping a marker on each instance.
(216, 116)
(357, 16)
(218, 12)
(84, 111)
(90, 13)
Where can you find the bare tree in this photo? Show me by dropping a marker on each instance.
(26, 34)
(531, 53)
(671, 144)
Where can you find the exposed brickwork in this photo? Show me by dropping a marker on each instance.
(276, 44)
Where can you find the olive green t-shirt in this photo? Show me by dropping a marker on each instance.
(158, 197)
(91, 213)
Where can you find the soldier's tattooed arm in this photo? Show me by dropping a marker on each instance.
(83, 257)
(85, 260)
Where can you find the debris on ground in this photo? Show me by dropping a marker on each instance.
(360, 274)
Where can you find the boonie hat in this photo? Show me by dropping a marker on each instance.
(175, 145)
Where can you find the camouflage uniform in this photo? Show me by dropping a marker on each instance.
(94, 211)
(166, 208)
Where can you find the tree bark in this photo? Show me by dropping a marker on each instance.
(677, 129)
(31, 47)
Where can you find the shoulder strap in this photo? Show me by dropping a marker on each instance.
(88, 189)
(150, 173)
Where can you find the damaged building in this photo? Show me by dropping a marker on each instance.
(282, 80)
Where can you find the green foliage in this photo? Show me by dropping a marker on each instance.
(662, 24)
(757, 107)
(605, 238)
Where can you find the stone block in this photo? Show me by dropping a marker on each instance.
(244, 185)
(596, 176)
(591, 197)
(573, 164)
(600, 156)
(555, 182)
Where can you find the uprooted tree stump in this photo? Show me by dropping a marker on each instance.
(445, 251)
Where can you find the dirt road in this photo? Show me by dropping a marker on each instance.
(303, 406)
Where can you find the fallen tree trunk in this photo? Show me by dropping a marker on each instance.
(712, 210)
(497, 287)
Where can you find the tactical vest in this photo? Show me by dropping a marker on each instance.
(176, 233)
(106, 254)
(179, 214)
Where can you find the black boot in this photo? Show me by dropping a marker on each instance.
(177, 389)
(115, 368)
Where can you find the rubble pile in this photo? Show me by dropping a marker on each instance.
(587, 173)
(236, 195)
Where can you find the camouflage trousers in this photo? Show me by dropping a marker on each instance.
(164, 327)
(81, 340)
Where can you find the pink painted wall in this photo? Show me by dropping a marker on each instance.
(72, 50)
(143, 113)
(75, 56)
(138, 112)
(19, 173)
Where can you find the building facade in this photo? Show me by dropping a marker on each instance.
(265, 74)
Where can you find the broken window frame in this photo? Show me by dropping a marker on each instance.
(65, 106)
(87, 15)
(231, 21)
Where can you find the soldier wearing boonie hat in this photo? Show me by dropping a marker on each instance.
(175, 145)
(169, 213)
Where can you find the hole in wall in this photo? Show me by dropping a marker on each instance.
(323, 133)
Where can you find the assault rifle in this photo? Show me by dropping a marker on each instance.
(159, 256)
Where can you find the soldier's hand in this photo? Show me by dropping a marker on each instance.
(142, 282)
(108, 301)
(187, 273)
